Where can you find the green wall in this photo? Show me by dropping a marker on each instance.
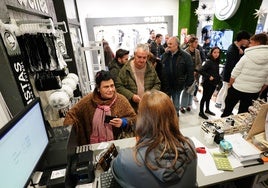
(187, 18)
(244, 19)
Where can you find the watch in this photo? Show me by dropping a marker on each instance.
(225, 9)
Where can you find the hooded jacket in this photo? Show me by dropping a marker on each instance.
(251, 72)
(129, 174)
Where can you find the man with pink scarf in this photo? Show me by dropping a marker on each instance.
(88, 115)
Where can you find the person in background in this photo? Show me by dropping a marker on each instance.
(88, 115)
(121, 58)
(152, 59)
(187, 99)
(233, 54)
(108, 53)
(210, 79)
(206, 46)
(157, 50)
(166, 39)
(152, 37)
(185, 43)
(264, 92)
(156, 63)
(156, 47)
(137, 76)
(249, 76)
(177, 71)
(202, 54)
(162, 156)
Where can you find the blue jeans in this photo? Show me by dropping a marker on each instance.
(186, 99)
(175, 95)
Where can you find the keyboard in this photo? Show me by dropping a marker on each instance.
(83, 148)
(107, 180)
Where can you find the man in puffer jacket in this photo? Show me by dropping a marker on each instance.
(249, 76)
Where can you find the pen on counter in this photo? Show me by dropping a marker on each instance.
(257, 162)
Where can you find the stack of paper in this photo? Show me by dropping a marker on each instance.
(242, 149)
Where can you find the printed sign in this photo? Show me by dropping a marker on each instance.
(17, 65)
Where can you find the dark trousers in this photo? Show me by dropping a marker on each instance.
(208, 90)
(233, 97)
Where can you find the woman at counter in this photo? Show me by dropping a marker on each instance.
(162, 156)
(90, 115)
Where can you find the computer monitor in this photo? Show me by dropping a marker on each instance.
(22, 142)
(221, 38)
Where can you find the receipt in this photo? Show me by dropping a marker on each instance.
(58, 173)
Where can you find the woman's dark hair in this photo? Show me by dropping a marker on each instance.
(102, 76)
(210, 54)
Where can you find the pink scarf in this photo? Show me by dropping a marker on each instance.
(101, 132)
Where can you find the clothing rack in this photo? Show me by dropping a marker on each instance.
(34, 26)
(21, 27)
(57, 24)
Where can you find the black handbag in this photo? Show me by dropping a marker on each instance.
(45, 80)
(61, 72)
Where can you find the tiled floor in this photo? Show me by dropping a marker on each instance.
(190, 119)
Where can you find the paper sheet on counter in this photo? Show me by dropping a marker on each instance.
(206, 162)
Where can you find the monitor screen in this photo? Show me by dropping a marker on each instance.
(22, 142)
(221, 38)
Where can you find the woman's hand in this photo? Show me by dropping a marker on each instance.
(116, 122)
